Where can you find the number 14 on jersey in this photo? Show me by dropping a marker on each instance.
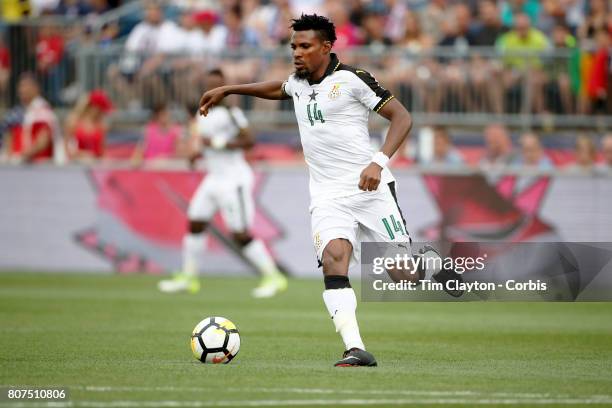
(314, 115)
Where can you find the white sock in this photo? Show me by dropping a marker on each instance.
(341, 305)
(256, 252)
(193, 246)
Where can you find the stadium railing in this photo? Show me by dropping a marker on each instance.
(442, 87)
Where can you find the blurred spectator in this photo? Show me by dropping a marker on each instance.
(5, 72)
(271, 22)
(485, 73)
(49, 61)
(346, 33)
(596, 20)
(498, 147)
(415, 39)
(605, 167)
(597, 85)
(510, 9)
(143, 56)
(11, 120)
(192, 5)
(161, 139)
(34, 138)
(212, 35)
(396, 23)
(73, 8)
(373, 23)
(565, 71)
(520, 40)
(523, 38)
(532, 154)
(433, 17)
(238, 35)
(40, 7)
(452, 81)
(585, 155)
(574, 13)
(456, 30)
(86, 128)
(489, 27)
(444, 153)
(412, 73)
(14, 10)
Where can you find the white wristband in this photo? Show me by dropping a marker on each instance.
(218, 143)
(381, 159)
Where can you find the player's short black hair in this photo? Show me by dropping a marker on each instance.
(217, 72)
(320, 24)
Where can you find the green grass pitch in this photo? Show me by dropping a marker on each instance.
(118, 343)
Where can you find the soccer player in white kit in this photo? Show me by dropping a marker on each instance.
(223, 135)
(352, 191)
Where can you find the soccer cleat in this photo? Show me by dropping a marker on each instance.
(446, 275)
(356, 358)
(270, 286)
(180, 283)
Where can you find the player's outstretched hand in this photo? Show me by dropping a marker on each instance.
(370, 177)
(210, 99)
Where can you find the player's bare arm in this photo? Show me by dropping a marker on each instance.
(265, 90)
(401, 123)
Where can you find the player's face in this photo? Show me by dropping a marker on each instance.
(309, 52)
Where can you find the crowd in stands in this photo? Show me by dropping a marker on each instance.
(170, 45)
(570, 72)
(33, 134)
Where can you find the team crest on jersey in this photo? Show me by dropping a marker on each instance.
(335, 92)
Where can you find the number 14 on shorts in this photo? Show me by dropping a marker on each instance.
(392, 225)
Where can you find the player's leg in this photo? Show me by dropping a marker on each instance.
(334, 234)
(382, 219)
(273, 281)
(201, 209)
(238, 212)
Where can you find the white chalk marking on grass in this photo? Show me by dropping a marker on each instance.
(304, 402)
(290, 390)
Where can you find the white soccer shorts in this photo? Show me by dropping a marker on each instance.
(366, 217)
(233, 197)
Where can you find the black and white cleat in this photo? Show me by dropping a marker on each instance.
(356, 358)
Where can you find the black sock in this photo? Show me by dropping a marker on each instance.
(336, 282)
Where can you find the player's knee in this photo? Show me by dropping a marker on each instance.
(197, 227)
(242, 239)
(336, 256)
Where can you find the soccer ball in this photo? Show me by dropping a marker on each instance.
(215, 340)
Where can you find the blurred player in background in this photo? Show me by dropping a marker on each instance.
(224, 135)
(353, 196)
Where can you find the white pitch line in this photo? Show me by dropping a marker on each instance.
(289, 390)
(331, 391)
(305, 402)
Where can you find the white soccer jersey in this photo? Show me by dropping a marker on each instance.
(332, 116)
(226, 123)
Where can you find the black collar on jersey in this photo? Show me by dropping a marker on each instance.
(333, 65)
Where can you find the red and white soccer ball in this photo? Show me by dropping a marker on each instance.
(215, 340)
